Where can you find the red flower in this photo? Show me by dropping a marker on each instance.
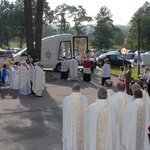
(149, 128)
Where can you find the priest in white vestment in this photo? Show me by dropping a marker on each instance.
(74, 130)
(120, 99)
(24, 79)
(146, 97)
(135, 123)
(108, 85)
(101, 123)
(38, 84)
(73, 68)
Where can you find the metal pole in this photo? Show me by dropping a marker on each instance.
(138, 47)
(61, 23)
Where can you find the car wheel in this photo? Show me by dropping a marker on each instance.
(58, 67)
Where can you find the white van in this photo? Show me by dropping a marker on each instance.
(146, 59)
(55, 47)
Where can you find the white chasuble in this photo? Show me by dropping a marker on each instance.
(79, 123)
(141, 116)
(101, 126)
(74, 108)
(102, 121)
(135, 123)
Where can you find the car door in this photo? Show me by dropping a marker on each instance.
(119, 60)
(112, 60)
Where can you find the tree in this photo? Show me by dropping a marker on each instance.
(19, 23)
(33, 21)
(77, 16)
(119, 38)
(142, 14)
(38, 38)
(6, 10)
(104, 29)
(29, 27)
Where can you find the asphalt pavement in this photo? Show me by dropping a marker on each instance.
(35, 123)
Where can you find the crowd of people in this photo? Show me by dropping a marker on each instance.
(69, 68)
(115, 121)
(25, 77)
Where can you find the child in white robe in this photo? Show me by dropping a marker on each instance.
(16, 78)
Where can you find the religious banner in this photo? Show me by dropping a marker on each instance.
(81, 48)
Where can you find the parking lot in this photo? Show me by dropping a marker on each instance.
(34, 123)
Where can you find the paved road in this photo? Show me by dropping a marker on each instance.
(35, 123)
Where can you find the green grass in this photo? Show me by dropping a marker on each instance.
(134, 72)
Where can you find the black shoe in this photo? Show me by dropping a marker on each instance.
(39, 96)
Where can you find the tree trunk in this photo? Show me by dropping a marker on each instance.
(39, 22)
(28, 27)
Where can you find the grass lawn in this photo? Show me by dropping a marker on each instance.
(134, 72)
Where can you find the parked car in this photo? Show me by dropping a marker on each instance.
(130, 57)
(148, 52)
(141, 52)
(136, 59)
(114, 59)
(131, 51)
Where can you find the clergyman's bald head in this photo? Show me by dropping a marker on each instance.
(76, 87)
(120, 86)
(138, 94)
(102, 93)
(108, 83)
(135, 87)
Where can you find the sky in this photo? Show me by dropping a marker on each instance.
(122, 10)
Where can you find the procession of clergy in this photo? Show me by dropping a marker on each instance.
(115, 121)
(27, 78)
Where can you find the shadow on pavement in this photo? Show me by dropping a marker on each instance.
(40, 122)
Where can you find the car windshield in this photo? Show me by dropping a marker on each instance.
(129, 56)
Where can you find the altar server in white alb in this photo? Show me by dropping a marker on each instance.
(11, 69)
(73, 68)
(31, 69)
(38, 84)
(135, 123)
(74, 129)
(24, 79)
(101, 123)
(16, 78)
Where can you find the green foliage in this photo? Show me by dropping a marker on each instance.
(78, 16)
(104, 29)
(103, 35)
(143, 14)
(12, 20)
(119, 37)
